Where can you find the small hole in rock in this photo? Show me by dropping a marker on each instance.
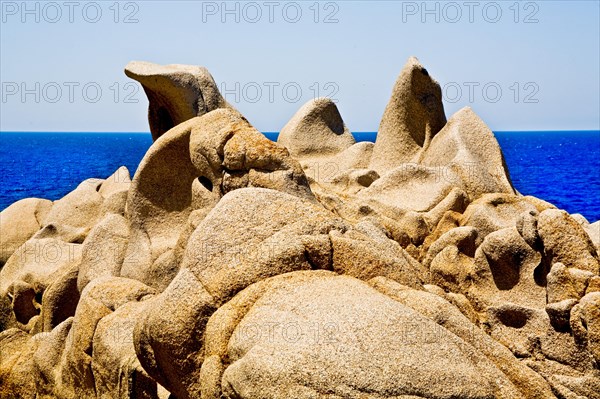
(205, 181)
(514, 318)
(540, 273)
(38, 297)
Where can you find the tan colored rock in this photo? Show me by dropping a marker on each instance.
(365, 342)
(36, 262)
(229, 154)
(359, 256)
(66, 233)
(412, 117)
(593, 231)
(251, 234)
(116, 369)
(100, 298)
(81, 208)
(115, 203)
(60, 298)
(539, 204)
(514, 269)
(316, 130)
(466, 239)
(585, 323)
(190, 168)
(103, 252)
(566, 242)
(410, 186)
(16, 365)
(456, 201)
(493, 212)
(232, 266)
(530, 384)
(47, 358)
(162, 271)
(168, 337)
(19, 222)
(570, 354)
(163, 193)
(467, 148)
(31, 269)
(254, 233)
(449, 221)
(593, 285)
(580, 219)
(7, 316)
(117, 182)
(566, 283)
(559, 313)
(517, 327)
(175, 92)
(349, 181)
(463, 162)
(527, 227)
(327, 169)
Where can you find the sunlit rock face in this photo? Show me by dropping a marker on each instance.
(231, 266)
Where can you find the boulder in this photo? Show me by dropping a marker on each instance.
(434, 307)
(47, 358)
(163, 193)
(357, 255)
(469, 154)
(229, 153)
(77, 376)
(175, 93)
(593, 230)
(313, 332)
(493, 212)
(19, 222)
(251, 234)
(60, 298)
(120, 181)
(81, 208)
(116, 369)
(66, 233)
(255, 233)
(585, 323)
(31, 269)
(509, 270)
(316, 130)
(103, 252)
(565, 241)
(17, 379)
(410, 186)
(324, 169)
(566, 283)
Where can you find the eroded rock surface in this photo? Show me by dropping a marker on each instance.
(234, 267)
(175, 93)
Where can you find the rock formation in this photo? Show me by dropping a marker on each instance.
(175, 93)
(234, 267)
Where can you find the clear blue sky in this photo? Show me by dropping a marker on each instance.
(543, 56)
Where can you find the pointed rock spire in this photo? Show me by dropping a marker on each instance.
(412, 117)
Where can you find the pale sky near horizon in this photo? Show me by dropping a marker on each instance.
(521, 65)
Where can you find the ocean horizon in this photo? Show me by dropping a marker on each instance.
(561, 167)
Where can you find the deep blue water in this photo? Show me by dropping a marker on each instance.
(560, 167)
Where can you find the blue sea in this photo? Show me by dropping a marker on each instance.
(560, 167)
